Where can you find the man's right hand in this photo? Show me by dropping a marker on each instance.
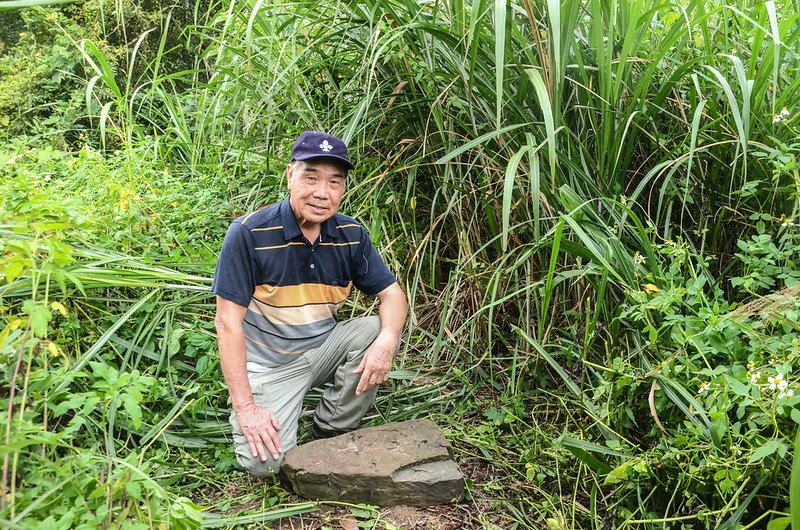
(260, 428)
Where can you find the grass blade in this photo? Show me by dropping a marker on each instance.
(499, 56)
(549, 123)
(794, 484)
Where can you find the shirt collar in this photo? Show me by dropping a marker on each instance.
(330, 228)
(291, 229)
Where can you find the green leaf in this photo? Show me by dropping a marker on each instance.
(39, 315)
(499, 56)
(794, 484)
(133, 409)
(779, 524)
(74, 402)
(766, 450)
(175, 341)
(8, 5)
(134, 489)
(477, 141)
(508, 192)
(13, 270)
(618, 474)
(547, 113)
(737, 386)
(594, 463)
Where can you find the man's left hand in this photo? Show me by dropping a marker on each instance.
(376, 363)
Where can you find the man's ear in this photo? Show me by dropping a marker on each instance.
(289, 176)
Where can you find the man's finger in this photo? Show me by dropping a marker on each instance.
(363, 383)
(276, 441)
(275, 424)
(252, 447)
(273, 447)
(255, 442)
(361, 365)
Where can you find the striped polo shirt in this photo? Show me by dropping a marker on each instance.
(293, 289)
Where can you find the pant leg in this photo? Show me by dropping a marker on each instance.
(340, 409)
(280, 390)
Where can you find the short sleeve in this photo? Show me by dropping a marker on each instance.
(235, 276)
(372, 274)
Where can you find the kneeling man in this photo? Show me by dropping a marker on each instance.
(283, 273)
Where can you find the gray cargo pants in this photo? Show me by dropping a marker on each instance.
(282, 389)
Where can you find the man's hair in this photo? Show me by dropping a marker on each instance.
(299, 165)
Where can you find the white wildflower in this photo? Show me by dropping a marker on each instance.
(755, 376)
(775, 382)
(704, 386)
(786, 394)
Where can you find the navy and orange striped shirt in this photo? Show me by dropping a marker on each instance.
(291, 288)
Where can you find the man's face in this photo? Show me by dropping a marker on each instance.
(315, 190)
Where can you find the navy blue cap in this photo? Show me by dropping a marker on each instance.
(315, 144)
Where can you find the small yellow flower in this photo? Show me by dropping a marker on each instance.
(58, 306)
(649, 288)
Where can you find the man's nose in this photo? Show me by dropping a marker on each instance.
(321, 190)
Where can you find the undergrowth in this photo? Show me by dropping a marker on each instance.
(591, 206)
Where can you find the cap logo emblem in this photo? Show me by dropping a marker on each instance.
(325, 146)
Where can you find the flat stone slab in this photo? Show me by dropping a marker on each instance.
(407, 462)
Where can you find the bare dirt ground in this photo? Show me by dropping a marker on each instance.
(476, 512)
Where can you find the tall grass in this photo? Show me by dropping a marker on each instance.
(516, 157)
(523, 166)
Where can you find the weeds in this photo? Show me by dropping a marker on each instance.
(592, 207)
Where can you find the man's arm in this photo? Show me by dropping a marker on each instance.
(259, 425)
(377, 361)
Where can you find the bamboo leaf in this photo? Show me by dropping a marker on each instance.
(499, 56)
(508, 192)
(478, 141)
(547, 113)
(8, 5)
(794, 484)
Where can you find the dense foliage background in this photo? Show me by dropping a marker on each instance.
(590, 204)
